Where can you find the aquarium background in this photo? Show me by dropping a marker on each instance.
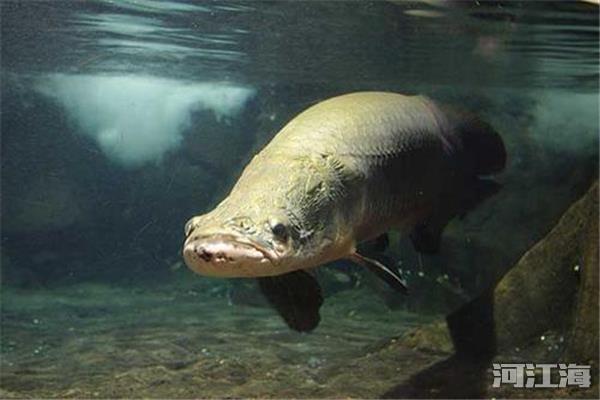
(122, 119)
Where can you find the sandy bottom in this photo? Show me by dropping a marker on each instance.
(101, 341)
(97, 341)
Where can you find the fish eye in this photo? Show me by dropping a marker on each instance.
(188, 227)
(279, 231)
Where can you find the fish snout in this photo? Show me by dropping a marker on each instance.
(221, 256)
(207, 255)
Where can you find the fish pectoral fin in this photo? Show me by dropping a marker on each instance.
(391, 277)
(296, 296)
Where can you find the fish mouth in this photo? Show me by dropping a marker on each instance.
(226, 255)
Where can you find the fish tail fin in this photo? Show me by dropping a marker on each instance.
(483, 148)
(481, 153)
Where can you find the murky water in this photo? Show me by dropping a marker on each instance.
(122, 119)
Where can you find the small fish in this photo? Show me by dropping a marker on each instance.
(343, 172)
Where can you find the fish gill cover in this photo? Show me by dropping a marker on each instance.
(137, 119)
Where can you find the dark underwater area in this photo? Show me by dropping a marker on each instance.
(96, 301)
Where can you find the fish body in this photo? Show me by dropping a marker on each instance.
(342, 172)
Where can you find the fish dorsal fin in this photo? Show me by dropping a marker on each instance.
(297, 298)
(391, 277)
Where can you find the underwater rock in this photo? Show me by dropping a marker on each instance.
(584, 336)
(553, 288)
(552, 280)
(430, 337)
(545, 309)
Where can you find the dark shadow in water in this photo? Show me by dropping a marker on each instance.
(472, 327)
(455, 377)
(466, 373)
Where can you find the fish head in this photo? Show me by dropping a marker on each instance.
(240, 245)
(274, 221)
